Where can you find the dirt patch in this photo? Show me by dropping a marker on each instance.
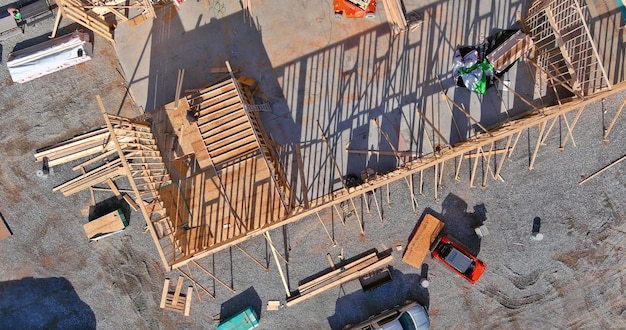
(513, 302)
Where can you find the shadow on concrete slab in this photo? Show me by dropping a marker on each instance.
(43, 303)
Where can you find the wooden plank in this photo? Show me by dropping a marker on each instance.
(378, 264)
(4, 230)
(131, 202)
(108, 223)
(603, 169)
(179, 286)
(188, 301)
(166, 285)
(230, 110)
(114, 188)
(216, 149)
(421, 242)
(317, 280)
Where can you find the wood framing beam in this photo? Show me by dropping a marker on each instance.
(138, 198)
(330, 153)
(607, 131)
(280, 269)
(512, 128)
(575, 83)
(206, 271)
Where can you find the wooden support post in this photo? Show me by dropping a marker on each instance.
(330, 153)
(388, 195)
(195, 283)
(267, 269)
(179, 87)
(458, 168)
(436, 183)
(542, 127)
(114, 188)
(514, 144)
(501, 163)
(443, 163)
(487, 166)
(195, 263)
(605, 136)
(303, 185)
(280, 269)
(602, 170)
(332, 241)
(57, 20)
(330, 261)
(545, 136)
(343, 221)
(365, 200)
(380, 214)
(473, 174)
(570, 129)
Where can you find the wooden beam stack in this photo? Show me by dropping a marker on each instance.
(175, 301)
(340, 275)
(80, 146)
(395, 16)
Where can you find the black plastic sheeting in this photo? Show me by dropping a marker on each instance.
(489, 45)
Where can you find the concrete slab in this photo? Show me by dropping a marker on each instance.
(340, 73)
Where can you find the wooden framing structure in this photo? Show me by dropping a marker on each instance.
(565, 50)
(90, 14)
(233, 188)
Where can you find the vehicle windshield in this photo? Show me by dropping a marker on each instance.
(458, 260)
(406, 321)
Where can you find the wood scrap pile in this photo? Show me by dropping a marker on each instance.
(340, 275)
(395, 16)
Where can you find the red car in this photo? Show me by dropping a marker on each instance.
(459, 260)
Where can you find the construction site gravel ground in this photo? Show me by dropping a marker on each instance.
(51, 276)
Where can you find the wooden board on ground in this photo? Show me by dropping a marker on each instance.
(420, 244)
(4, 230)
(106, 224)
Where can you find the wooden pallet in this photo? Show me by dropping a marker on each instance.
(175, 301)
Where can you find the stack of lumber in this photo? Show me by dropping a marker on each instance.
(395, 16)
(101, 174)
(80, 146)
(342, 274)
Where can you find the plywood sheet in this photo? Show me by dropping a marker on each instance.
(108, 223)
(420, 243)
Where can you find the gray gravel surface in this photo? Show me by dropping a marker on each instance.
(51, 276)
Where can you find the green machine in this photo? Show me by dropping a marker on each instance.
(244, 320)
